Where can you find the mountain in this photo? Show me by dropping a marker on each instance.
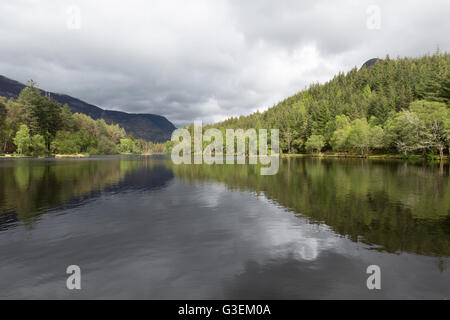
(371, 62)
(143, 126)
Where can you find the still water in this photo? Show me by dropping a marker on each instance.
(141, 227)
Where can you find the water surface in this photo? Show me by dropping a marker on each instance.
(140, 227)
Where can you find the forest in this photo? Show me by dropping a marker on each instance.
(397, 106)
(35, 125)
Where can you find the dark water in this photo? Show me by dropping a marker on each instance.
(140, 227)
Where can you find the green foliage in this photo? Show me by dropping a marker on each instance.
(297, 145)
(44, 113)
(65, 143)
(85, 141)
(338, 140)
(38, 145)
(54, 128)
(423, 128)
(447, 131)
(6, 133)
(67, 120)
(376, 137)
(106, 146)
(23, 140)
(434, 116)
(169, 146)
(126, 146)
(358, 137)
(406, 132)
(2, 114)
(315, 143)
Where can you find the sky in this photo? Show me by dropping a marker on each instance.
(206, 60)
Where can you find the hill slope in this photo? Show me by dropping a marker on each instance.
(143, 126)
(374, 93)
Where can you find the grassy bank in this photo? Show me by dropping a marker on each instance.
(13, 156)
(71, 156)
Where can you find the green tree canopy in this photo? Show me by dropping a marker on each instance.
(23, 140)
(315, 143)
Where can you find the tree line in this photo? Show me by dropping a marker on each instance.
(34, 124)
(397, 106)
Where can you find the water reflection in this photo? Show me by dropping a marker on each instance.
(29, 188)
(140, 227)
(398, 206)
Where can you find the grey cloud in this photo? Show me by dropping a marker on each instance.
(203, 59)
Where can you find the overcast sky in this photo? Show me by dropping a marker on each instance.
(208, 59)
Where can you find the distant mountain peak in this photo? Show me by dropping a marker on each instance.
(143, 126)
(370, 63)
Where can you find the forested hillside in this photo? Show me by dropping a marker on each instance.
(36, 125)
(143, 126)
(393, 106)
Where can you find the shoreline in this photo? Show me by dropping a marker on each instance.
(77, 156)
(283, 156)
(369, 157)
